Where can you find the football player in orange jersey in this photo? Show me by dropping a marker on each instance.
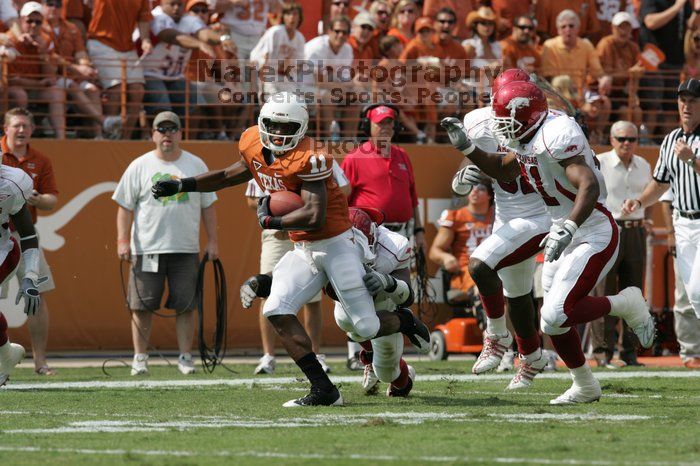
(280, 157)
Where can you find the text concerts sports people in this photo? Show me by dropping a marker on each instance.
(551, 150)
(279, 156)
(504, 263)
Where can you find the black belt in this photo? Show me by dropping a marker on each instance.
(395, 227)
(690, 215)
(630, 223)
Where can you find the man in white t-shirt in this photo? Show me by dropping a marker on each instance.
(246, 20)
(175, 36)
(163, 240)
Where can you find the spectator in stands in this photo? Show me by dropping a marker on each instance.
(402, 21)
(508, 12)
(664, 25)
(460, 232)
(109, 42)
(606, 10)
(279, 48)
(32, 74)
(461, 8)
(16, 152)
(337, 8)
(547, 16)
(75, 11)
(362, 40)
(519, 49)
(685, 322)
(144, 226)
(574, 56)
(246, 20)
(177, 35)
(381, 14)
(77, 75)
(482, 48)
(691, 51)
(331, 53)
(619, 56)
(626, 175)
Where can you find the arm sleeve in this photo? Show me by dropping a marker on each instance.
(161, 23)
(126, 193)
(191, 24)
(144, 13)
(565, 139)
(447, 218)
(477, 124)
(315, 166)
(661, 173)
(339, 175)
(594, 67)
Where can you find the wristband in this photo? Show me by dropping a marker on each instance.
(188, 185)
(418, 230)
(122, 241)
(469, 149)
(273, 223)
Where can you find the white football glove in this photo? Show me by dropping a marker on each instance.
(558, 239)
(457, 134)
(29, 290)
(248, 295)
(466, 178)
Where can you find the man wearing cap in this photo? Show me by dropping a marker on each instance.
(626, 175)
(160, 239)
(365, 45)
(679, 166)
(619, 56)
(381, 176)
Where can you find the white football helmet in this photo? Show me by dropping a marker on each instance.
(283, 107)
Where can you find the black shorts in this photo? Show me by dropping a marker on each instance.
(146, 288)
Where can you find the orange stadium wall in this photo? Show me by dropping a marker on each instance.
(87, 307)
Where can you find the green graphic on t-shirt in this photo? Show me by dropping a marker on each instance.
(179, 197)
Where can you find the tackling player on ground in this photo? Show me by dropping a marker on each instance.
(550, 149)
(15, 188)
(281, 158)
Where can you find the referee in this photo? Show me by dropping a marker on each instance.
(679, 165)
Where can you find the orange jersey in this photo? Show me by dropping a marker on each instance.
(288, 173)
(469, 232)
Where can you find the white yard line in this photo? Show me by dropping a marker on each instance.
(145, 383)
(330, 457)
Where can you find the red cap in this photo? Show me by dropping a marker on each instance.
(380, 113)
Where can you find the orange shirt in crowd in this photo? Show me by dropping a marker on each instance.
(288, 173)
(546, 12)
(68, 41)
(113, 22)
(617, 56)
(460, 7)
(399, 35)
(580, 62)
(469, 231)
(510, 9)
(516, 55)
(37, 166)
(29, 61)
(73, 9)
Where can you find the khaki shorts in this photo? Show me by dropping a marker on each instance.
(44, 271)
(146, 288)
(108, 64)
(275, 244)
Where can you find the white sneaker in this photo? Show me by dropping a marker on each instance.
(507, 364)
(636, 314)
(321, 358)
(266, 366)
(11, 354)
(370, 382)
(494, 348)
(527, 372)
(140, 364)
(579, 394)
(185, 364)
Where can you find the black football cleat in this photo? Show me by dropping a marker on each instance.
(316, 397)
(392, 391)
(418, 333)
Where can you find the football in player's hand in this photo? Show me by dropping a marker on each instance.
(283, 202)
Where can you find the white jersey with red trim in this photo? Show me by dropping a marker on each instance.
(392, 252)
(15, 187)
(247, 19)
(516, 199)
(168, 61)
(559, 138)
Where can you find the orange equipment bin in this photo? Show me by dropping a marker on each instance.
(458, 335)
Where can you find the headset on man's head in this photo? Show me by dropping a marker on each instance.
(364, 126)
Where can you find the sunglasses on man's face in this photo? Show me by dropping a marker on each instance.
(525, 27)
(167, 129)
(200, 10)
(53, 4)
(341, 31)
(446, 21)
(623, 139)
(485, 23)
(35, 22)
(345, 4)
(409, 11)
(367, 27)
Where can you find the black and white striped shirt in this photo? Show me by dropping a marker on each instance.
(685, 181)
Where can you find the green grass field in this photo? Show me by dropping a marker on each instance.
(81, 416)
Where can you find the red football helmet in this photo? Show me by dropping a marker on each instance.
(366, 220)
(509, 76)
(517, 109)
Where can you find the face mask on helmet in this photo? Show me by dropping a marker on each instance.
(518, 108)
(362, 221)
(282, 122)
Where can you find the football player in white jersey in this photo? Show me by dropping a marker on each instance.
(15, 188)
(504, 263)
(551, 150)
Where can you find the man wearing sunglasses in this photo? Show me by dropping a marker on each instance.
(519, 48)
(626, 175)
(159, 238)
